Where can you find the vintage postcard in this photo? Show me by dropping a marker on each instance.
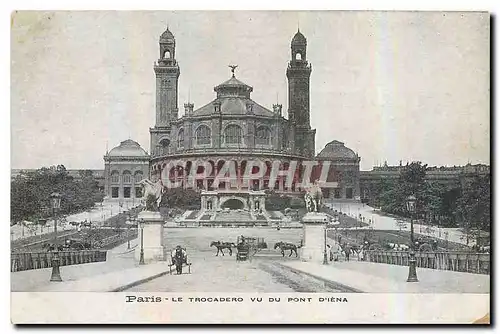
(265, 167)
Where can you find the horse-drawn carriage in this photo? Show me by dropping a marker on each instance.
(248, 246)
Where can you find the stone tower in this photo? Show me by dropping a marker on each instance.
(302, 137)
(167, 73)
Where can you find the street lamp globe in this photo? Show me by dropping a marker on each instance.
(410, 203)
(55, 199)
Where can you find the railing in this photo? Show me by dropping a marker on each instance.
(477, 263)
(39, 260)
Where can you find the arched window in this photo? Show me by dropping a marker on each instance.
(298, 56)
(138, 176)
(263, 136)
(166, 55)
(115, 176)
(203, 135)
(164, 146)
(127, 177)
(232, 134)
(180, 138)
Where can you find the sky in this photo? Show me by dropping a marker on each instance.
(391, 85)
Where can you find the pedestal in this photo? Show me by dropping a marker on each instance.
(154, 249)
(314, 225)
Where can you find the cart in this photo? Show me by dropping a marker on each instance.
(248, 246)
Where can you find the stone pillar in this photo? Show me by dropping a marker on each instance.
(153, 244)
(238, 176)
(314, 225)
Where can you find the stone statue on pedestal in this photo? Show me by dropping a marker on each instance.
(152, 193)
(313, 197)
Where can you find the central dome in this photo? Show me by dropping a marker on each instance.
(233, 87)
(233, 98)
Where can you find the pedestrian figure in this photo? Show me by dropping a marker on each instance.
(347, 251)
(179, 257)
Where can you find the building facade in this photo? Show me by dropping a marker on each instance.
(450, 177)
(124, 167)
(230, 129)
(343, 168)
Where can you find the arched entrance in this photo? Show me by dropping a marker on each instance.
(233, 204)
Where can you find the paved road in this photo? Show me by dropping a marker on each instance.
(98, 214)
(381, 222)
(211, 273)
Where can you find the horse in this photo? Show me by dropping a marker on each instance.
(283, 246)
(221, 245)
(313, 197)
(152, 188)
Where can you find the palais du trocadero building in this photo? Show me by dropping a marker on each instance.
(231, 127)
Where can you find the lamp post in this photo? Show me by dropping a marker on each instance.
(412, 272)
(141, 259)
(325, 257)
(55, 199)
(130, 222)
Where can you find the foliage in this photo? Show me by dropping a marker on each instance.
(380, 188)
(276, 202)
(30, 193)
(297, 203)
(435, 203)
(473, 208)
(187, 199)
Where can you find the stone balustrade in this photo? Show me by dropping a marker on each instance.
(477, 263)
(40, 260)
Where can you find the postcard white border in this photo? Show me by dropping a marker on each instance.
(7, 8)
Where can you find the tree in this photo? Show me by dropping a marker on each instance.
(277, 202)
(431, 197)
(474, 205)
(380, 188)
(181, 198)
(411, 181)
(30, 192)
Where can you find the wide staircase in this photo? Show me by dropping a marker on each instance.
(238, 218)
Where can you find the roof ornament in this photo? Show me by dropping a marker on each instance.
(233, 67)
